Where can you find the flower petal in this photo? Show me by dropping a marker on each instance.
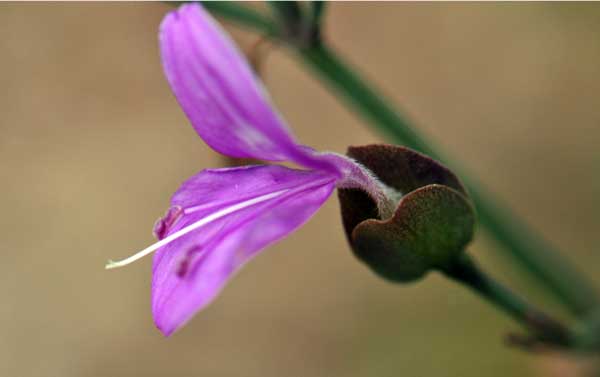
(223, 99)
(190, 271)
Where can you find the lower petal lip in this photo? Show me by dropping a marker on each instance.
(280, 215)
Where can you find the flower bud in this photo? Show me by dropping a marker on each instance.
(433, 222)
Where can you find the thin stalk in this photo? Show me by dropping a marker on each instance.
(552, 270)
(314, 20)
(317, 11)
(543, 328)
(242, 15)
(289, 12)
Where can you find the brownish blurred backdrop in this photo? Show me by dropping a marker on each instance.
(93, 144)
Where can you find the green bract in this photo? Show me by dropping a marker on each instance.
(433, 222)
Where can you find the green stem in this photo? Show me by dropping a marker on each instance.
(288, 12)
(553, 271)
(317, 10)
(543, 328)
(363, 98)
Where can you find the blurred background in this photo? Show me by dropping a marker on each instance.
(93, 144)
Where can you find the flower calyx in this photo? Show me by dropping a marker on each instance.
(433, 222)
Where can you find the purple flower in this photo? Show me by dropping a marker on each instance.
(220, 218)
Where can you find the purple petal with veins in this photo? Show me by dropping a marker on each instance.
(223, 99)
(191, 270)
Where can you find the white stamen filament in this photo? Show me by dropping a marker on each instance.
(198, 224)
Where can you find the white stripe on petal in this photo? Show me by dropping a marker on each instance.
(198, 224)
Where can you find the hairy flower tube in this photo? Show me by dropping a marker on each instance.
(220, 218)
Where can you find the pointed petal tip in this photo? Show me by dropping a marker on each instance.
(165, 320)
(164, 330)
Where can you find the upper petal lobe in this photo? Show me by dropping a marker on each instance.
(216, 88)
(223, 99)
